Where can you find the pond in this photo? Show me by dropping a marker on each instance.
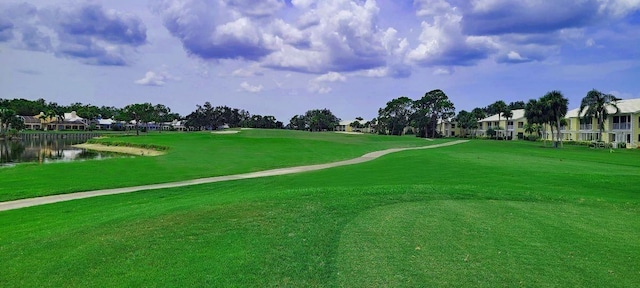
(48, 148)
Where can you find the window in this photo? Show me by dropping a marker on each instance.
(453, 126)
(520, 125)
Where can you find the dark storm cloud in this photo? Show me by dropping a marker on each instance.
(527, 17)
(86, 32)
(6, 30)
(92, 20)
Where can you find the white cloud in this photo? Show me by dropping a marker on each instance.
(515, 56)
(152, 78)
(250, 88)
(331, 77)
(319, 84)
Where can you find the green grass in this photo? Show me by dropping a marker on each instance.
(191, 156)
(483, 213)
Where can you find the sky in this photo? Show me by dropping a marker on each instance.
(284, 57)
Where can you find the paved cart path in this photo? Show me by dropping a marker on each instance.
(16, 204)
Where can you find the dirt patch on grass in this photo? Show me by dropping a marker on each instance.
(226, 132)
(121, 149)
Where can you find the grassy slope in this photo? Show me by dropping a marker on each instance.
(483, 213)
(193, 155)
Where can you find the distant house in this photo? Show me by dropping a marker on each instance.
(32, 122)
(105, 124)
(70, 121)
(345, 126)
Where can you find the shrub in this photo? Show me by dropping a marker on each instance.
(533, 138)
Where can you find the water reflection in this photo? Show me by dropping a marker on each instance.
(47, 148)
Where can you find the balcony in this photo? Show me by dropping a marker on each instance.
(586, 126)
(621, 126)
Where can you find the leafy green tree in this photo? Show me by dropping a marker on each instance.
(356, 125)
(139, 113)
(535, 112)
(516, 105)
(395, 116)
(297, 122)
(478, 114)
(7, 117)
(433, 106)
(161, 115)
(321, 120)
(556, 107)
(466, 121)
(596, 105)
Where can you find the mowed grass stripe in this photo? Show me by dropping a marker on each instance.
(487, 243)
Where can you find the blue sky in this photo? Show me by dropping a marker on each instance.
(284, 57)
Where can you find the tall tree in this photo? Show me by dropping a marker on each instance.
(596, 105)
(393, 118)
(321, 120)
(6, 118)
(556, 107)
(534, 111)
(466, 121)
(433, 106)
(498, 107)
(478, 114)
(298, 122)
(139, 112)
(160, 115)
(507, 115)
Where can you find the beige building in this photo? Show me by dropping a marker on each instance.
(512, 128)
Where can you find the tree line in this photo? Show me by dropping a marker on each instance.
(399, 116)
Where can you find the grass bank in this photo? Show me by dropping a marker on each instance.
(479, 214)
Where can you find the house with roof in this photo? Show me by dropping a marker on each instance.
(345, 126)
(32, 122)
(69, 121)
(512, 127)
(448, 128)
(622, 126)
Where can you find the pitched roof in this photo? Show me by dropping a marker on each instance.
(517, 114)
(625, 106)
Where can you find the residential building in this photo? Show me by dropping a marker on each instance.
(32, 122)
(448, 128)
(622, 126)
(512, 128)
(345, 126)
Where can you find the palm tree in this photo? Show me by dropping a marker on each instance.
(499, 107)
(534, 111)
(507, 114)
(556, 107)
(595, 105)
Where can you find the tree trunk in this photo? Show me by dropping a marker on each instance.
(558, 137)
